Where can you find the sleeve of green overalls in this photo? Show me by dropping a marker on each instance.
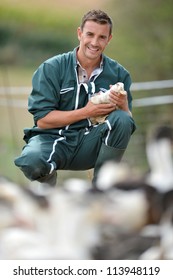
(45, 96)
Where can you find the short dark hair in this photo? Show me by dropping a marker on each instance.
(97, 16)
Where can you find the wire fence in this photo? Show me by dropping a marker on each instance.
(152, 107)
(22, 91)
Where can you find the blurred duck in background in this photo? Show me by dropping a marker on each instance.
(141, 211)
(126, 216)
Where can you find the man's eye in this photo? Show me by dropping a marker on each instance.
(103, 37)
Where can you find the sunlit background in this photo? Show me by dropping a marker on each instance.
(32, 31)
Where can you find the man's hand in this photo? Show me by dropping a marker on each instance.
(95, 110)
(120, 99)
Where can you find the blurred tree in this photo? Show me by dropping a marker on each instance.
(142, 41)
(143, 37)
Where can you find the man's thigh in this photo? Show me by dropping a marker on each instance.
(88, 149)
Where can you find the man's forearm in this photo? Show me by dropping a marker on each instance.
(57, 118)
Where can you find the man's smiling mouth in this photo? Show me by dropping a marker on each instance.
(93, 49)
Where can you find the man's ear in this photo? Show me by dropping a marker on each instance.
(79, 32)
(110, 37)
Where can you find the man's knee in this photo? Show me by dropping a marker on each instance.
(32, 165)
(122, 120)
(121, 126)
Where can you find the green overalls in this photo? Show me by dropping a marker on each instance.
(77, 146)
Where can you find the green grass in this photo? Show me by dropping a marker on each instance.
(12, 75)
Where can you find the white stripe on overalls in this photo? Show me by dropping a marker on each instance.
(109, 131)
(53, 151)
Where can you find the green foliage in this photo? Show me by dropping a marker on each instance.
(27, 47)
(27, 37)
(142, 39)
(36, 17)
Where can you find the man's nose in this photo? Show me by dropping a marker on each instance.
(94, 41)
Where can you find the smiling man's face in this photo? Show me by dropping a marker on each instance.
(93, 39)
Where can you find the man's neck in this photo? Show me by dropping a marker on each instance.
(88, 64)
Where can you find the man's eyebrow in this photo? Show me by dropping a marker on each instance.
(89, 32)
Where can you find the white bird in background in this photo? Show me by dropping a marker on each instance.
(143, 204)
(160, 158)
(159, 152)
(63, 224)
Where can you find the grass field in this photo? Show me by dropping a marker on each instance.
(48, 13)
(11, 75)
